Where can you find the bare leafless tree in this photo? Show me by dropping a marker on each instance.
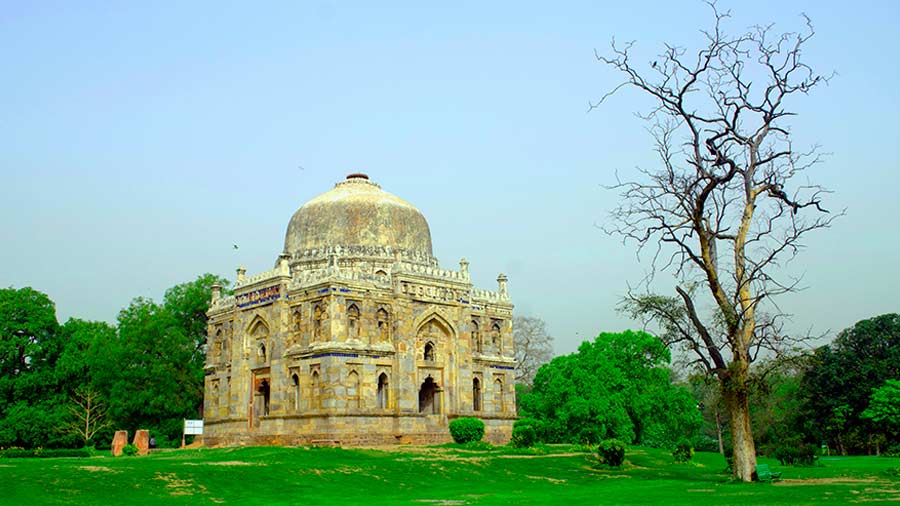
(534, 347)
(724, 209)
(87, 414)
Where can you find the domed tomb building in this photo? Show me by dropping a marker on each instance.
(357, 336)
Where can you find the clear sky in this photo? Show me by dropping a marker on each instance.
(139, 141)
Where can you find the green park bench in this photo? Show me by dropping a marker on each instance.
(763, 473)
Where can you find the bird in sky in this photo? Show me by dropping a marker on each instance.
(235, 246)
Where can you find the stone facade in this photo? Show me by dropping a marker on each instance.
(357, 336)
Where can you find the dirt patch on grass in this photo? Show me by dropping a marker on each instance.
(178, 487)
(224, 463)
(443, 502)
(450, 457)
(99, 469)
(547, 478)
(547, 456)
(346, 470)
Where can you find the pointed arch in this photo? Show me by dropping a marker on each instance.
(353, 322)
(316, 386)
(429, 397)
(382, 320)
(381, 401)
(439, 320)
(428, 352)
(499, 406)
(261, 355)
(353, 389)
(214, 399)
(258, 327)
(295, 387)
(319, 314)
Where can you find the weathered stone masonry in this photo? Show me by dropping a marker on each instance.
(357, 336)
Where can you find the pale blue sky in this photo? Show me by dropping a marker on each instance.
(139, 141)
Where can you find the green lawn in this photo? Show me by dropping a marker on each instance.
(423, 476)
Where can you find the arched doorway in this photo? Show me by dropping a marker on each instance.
(382, 399)
(260, 402)
(429, 397)
(295, 381)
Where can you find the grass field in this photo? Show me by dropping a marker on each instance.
(423, 476)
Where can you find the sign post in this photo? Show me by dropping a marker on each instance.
(191, 428)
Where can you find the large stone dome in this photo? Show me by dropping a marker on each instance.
(357, 212)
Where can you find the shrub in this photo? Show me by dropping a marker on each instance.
(67, 452)
(704, 443)
(17, 453)
(684, 451)
(611, 452)
(466, 429)
(801, 455)
(129, 450)
(523, 436)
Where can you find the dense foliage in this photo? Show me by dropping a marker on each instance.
(31, 393)
(466, 430)
(72, 385)
(838, 386)
(617, 386)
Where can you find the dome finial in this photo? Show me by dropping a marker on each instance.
(357, 175)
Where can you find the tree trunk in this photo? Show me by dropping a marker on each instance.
(737, 403)
(719, 432)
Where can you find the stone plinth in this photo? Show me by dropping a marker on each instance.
(119, 440)
(142, 441)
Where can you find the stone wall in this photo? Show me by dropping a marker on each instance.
(382, 358)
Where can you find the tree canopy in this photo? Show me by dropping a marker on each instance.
(617, 386)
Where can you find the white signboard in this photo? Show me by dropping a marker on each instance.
(193, 427)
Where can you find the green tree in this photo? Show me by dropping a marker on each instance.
(723, 210)
(617, 386)
(151, 373)
(884, 406)
(839, 383)
(30, 345)
(85, 354)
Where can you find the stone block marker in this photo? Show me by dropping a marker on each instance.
(119, 440)
(142, 441)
